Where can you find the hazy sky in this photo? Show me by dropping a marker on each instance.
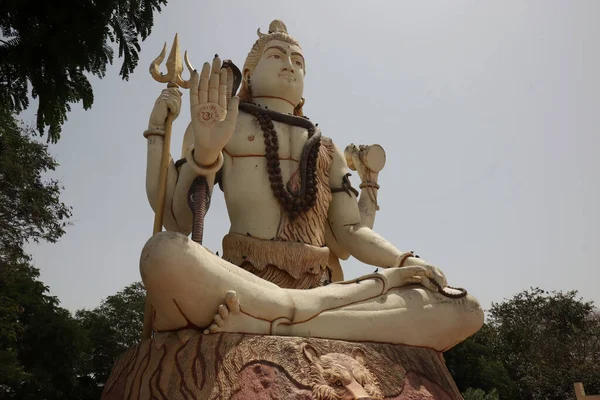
(488, 111)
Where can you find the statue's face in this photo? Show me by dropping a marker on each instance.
(279, 72)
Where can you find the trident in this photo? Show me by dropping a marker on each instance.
(174, 80)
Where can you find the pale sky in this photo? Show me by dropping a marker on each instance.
(488, 112)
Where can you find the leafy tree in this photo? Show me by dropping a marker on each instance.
(472, 364)
(111, 329)
(53, 45)
(39, 340)
(478, 394)
(534, 346)
(30, 208)
(547, 341)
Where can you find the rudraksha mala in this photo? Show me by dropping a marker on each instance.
(294, 202)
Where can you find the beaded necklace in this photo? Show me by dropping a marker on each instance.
(303, 199)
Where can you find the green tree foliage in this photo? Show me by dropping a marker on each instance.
(30, 208)
(534, 346)
(41, 347)
(478, 394)
(111, 329)
(473, 365)
(39, 340)
(53, 45)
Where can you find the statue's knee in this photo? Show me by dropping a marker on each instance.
(474, 312)
(162, 252)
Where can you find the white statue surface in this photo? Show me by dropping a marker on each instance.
(293, 213)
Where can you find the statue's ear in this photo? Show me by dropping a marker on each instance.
(359, 356)
(311, 354)
(246, 74)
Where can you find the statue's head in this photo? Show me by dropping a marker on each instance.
(275, 68)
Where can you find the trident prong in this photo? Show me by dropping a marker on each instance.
(174, 67)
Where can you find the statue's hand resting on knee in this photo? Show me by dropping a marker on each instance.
(430, 273)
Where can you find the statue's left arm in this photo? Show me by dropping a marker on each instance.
(354, 237)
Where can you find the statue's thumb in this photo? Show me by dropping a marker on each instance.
(232, 107)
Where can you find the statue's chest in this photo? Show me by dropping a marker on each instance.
(248, 139)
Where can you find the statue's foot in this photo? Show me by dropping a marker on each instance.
(231, 318)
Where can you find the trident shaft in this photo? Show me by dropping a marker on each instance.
(173, 79)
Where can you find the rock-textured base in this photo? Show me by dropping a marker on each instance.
(190, 365)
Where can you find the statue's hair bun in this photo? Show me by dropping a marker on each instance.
(277, 26)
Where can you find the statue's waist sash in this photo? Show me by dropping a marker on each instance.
(286, 264)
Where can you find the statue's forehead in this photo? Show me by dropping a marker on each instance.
(285, 45)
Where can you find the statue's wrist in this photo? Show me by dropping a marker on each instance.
(200, 167)
(204, 155)
(369, 184)
(154, 131)
(403, 259)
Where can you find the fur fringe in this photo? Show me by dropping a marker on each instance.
(297, 259)
(309, 227)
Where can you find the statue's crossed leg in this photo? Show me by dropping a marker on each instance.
(189, 286)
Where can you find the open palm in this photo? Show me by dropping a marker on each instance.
(213, 120)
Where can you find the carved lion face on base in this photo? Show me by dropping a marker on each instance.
(336, 376)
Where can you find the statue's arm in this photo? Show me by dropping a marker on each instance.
(177, 213)
(367, 201)
(153, 162)
(213, 123)
(354, 236)
(180, 176)
(187, 175)
(359, 240)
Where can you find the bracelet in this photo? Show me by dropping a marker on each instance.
(154, 132)
(402, 259)
(368, 184)
(202, 169)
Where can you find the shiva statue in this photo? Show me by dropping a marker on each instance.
(293, 213)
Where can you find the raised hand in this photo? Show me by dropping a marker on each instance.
(213, 120)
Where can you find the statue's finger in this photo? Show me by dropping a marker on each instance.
(223, 88)
(230, 86)
(194, 88)
(427, 283)
(219, 320)
(413, 270)
(412, 280)
(213, 83)
(204, 76)
(232, 111)
(173, 106)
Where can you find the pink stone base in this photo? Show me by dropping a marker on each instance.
(190, 365)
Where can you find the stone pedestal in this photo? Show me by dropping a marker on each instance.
(190, 365)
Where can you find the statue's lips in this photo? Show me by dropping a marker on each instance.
(288, 77)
